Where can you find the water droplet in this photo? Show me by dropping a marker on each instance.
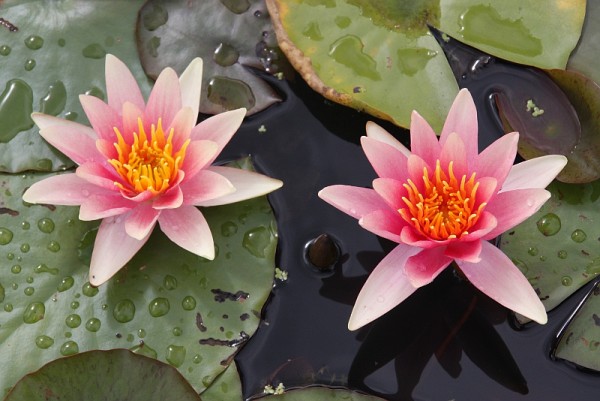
(8, 307)
(578, 236)
(71, 115)
(124, 311)
(93, 324)
(46, 225)
(55, 100)
(69, 348)
(342, 22)
(549, 224)
(177, 331)
(94, 51)
(380, 299)
(62, 42)
(155, 17)
(236, 6)
(89, 290)
(170, 282)
(230, 93)
(188, 303)
(25, 248)
(2, 293)
(25, 225)
(5, 236)
(45, 269)
(34, 312)
(10, 255)
(73, 321)
(74, 305)
(566, 281)
(349, 52)
(256, 241)
(197, 359)
(16, 269)
(159, 307)
(562, 254)
(28, 291)
(29, 279)
(29, 64)
(144, 349)
(129, 338)
(53, 246)
(5, 50)
(175, 355)
(228, 229)
(141, 333)
(34, 42)
(412, 60)
(16, 106)
(225, 55)
(95, 91)
(14, 286)
(532, 251)
(521, 265)
(44, 342)
(68, 334)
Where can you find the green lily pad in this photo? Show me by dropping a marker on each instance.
(230, 36)
(379, 56)
(56, 54)
(585, 56)
(226, 387)
(548, 126)
(580, 339)
(557, 248)
(322, 394)
(104, 375)
(167, 303)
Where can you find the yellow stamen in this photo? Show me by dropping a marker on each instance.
(446, 209)
(149, 164)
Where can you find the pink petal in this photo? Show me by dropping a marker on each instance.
(376, 132)
(76, 141)
(387, 161)
(534, 173)
(424, 267)
(487, 190)
(513, 207)
(63, 189)
(106, 149)
(182, 126)
(131, 116)
(411, 236)
(100, 206)
(462, 250)
(188, 228)
(416, 165)
(454, 151)
(165, 99)
(121, 86)
(198, 155)
(385, 288)
(486, 223)
(205, 186)
(112, 250)
(98, 174)
(247, 185)
(102, 117)
(190, 82)
(391, 191)
(171, 199)
(423, 141)
(355, 201)
(462, 119)
(497, 159)
(141, 220)
(385, 223)
(219, 128)
(500, 279)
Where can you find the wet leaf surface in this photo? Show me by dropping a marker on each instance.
(584, 58)
(168, 304)
(557, 248)
(321, 394)
(104, 375)
(226, 387)
(56, 54)
(230, 36)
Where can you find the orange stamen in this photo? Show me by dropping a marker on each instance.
(446, 209)
(149, 164)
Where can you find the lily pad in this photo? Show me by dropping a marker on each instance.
(379, 56)
(230, 36)
(545, 131)
(579, 340)
(584, 58)
(104, 375)
(54, 53)
(167, 303)
(557, 248)
(322, 394)
(226, 387)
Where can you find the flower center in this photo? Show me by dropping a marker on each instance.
(148, 164)
(446, 209)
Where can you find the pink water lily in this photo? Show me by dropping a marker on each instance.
(441, 201)
(143, 163)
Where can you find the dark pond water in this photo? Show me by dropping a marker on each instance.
(446, 342)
